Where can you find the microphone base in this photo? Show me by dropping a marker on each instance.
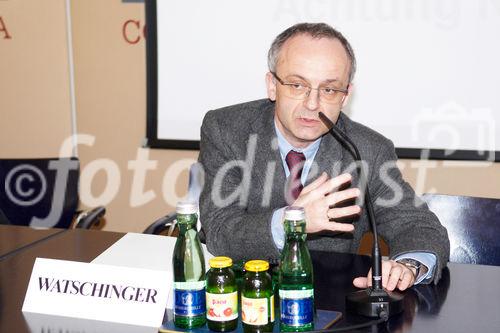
(370, 302)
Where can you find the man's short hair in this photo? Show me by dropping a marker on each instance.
(315, 30)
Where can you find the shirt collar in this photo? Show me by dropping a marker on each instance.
(285, 146)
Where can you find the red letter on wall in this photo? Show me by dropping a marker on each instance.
(3, 28)
(125, 35)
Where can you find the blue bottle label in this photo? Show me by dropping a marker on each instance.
(189, 302)
(296, 307)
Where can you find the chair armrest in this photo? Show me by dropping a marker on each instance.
(166, 222)
(89, 218)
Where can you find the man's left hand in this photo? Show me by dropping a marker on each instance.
(394, 275)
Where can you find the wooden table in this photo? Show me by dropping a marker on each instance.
(15, 238)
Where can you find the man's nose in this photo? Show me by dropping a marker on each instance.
(312, 99)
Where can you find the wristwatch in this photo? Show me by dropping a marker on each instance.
(412, 263)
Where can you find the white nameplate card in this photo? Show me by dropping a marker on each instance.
(126, 295)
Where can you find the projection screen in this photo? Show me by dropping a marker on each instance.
(427, 78)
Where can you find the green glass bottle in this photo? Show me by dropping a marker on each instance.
(296, 291)
(189, 270)
(222, 296)
(257, 299)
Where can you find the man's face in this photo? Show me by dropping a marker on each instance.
(318, 63)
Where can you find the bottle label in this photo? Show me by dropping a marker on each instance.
(297, 307)
(189, 298)
(222, 307)
(255, 311)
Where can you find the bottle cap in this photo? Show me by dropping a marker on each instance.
(220, 262)
(294, 213)
(256, 265)
(187, 207)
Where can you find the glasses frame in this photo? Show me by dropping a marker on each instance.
(288, 84)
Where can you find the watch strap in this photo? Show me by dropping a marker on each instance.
(412, 263)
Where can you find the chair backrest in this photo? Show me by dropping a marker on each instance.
(3, 218)
(168, 222)
(39, 192)
(195, 186)
(196, 182)
(473, 226)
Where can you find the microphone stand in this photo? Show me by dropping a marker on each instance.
(373, 301)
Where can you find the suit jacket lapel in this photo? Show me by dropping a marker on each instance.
(268, 158)
(328, 158)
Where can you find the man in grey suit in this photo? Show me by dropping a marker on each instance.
(263, 155)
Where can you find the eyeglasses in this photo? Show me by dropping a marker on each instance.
(300, 90)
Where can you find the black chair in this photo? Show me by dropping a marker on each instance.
(473, 226)
(167, 224)
(164, 225)
(3, 218)
(43, 193)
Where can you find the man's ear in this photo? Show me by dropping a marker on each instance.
(271, 86)
(350, 89)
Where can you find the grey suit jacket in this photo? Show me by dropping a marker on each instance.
(245, 183)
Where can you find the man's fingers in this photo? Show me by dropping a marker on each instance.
(394, 276)
(335, 213)
(386, 270)
(336, 197)
(334, 183)
(304, 196)
(341, 227)
(406, 280)
(317, 182)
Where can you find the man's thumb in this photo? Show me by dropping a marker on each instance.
(360, 282)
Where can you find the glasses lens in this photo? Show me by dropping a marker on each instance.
(296, 90)
(331, 95)
(300, 90)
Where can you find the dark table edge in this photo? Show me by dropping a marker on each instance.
(27, 246)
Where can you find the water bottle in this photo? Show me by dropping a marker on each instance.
(296, 290)
(189, 270)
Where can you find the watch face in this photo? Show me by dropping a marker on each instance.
(411, 262)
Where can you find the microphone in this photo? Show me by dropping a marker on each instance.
(373, 301)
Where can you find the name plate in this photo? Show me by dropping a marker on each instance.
(126, 295)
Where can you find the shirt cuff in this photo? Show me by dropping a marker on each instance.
(425, 258)
(277, 230)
